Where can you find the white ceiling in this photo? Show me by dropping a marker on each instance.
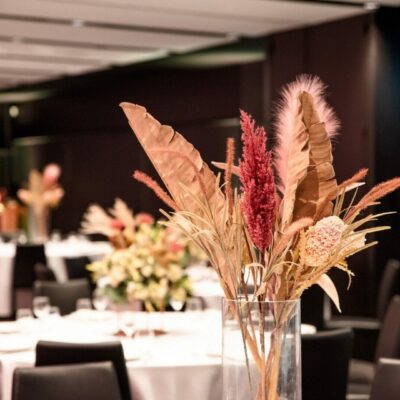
(46, 39)
(377, 2)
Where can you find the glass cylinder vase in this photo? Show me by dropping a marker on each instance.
(261, 350)
(38, 224)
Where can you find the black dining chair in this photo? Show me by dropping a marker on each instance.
(26, 256)
(325, 363)
(76, 267)
(44, 273)
(366, 330)
(361, 374)
(54, 353)
(63, 294)
(386, 384)
(96, 381)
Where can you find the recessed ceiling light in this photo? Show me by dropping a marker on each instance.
(371, 5)
(78, 23)
(13, 111)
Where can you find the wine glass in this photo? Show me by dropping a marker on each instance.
(41, 307)
(145, 341)
(176, 304)
(100, 300)
(54, 312)
(24, 318)
(83, 304)
(127, 323)
(194, 304)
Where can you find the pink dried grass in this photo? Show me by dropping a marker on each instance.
(230, 155)
(153, 185)
(376, 193)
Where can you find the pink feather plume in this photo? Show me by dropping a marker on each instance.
(286, 114)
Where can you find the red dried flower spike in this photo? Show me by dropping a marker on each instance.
(258, 184)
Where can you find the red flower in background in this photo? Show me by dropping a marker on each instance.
(51, 173)
(176, 247)
(256, 175)
(117, 224)
(144, 218)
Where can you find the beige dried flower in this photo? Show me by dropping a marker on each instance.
(318, 242)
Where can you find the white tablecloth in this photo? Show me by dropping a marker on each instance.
(183, 364)
(55, 253)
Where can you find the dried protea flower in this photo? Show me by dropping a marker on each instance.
(320, 240)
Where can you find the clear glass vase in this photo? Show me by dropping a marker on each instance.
(261, 351)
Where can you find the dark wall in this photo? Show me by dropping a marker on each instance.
(387, 123)
(341, 54)
(82, 128)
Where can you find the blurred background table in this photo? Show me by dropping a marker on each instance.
(159, 367)
(56, 252)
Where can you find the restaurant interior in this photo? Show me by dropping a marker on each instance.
(198, 200)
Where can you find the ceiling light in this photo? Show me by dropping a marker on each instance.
(13, 111)
(78, 23)
(371, 5)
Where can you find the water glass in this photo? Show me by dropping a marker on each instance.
(41, 306)
(83, 304)
(145, 341)
(194, 304)
(24, 319)
(100, 300)
(127, 323)
(176, 304)
(54, 312)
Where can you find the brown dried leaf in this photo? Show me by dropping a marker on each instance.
(174, 171)
(297, 165)
(320, 179)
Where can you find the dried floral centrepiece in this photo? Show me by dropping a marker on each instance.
(148, 261)
(288, 224)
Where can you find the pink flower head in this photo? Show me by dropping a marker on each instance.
(51, 174)
(256, 175)
(176, 247)
(144, 218)
(116, 224)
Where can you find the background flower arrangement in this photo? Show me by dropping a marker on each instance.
(148, 261)
(43, 193)
(288, 224)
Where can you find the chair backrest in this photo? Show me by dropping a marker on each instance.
(66, 382)
(388, 287)
(53, 353)
(63, 294)
(26, 257)
(325, 363)
(44, 273)
(312, 307)
(388, 345)
(386, 384)
(76, 267)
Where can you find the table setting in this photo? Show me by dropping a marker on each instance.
(56, 251)
(191, 344)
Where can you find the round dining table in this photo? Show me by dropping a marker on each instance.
(184, 362)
